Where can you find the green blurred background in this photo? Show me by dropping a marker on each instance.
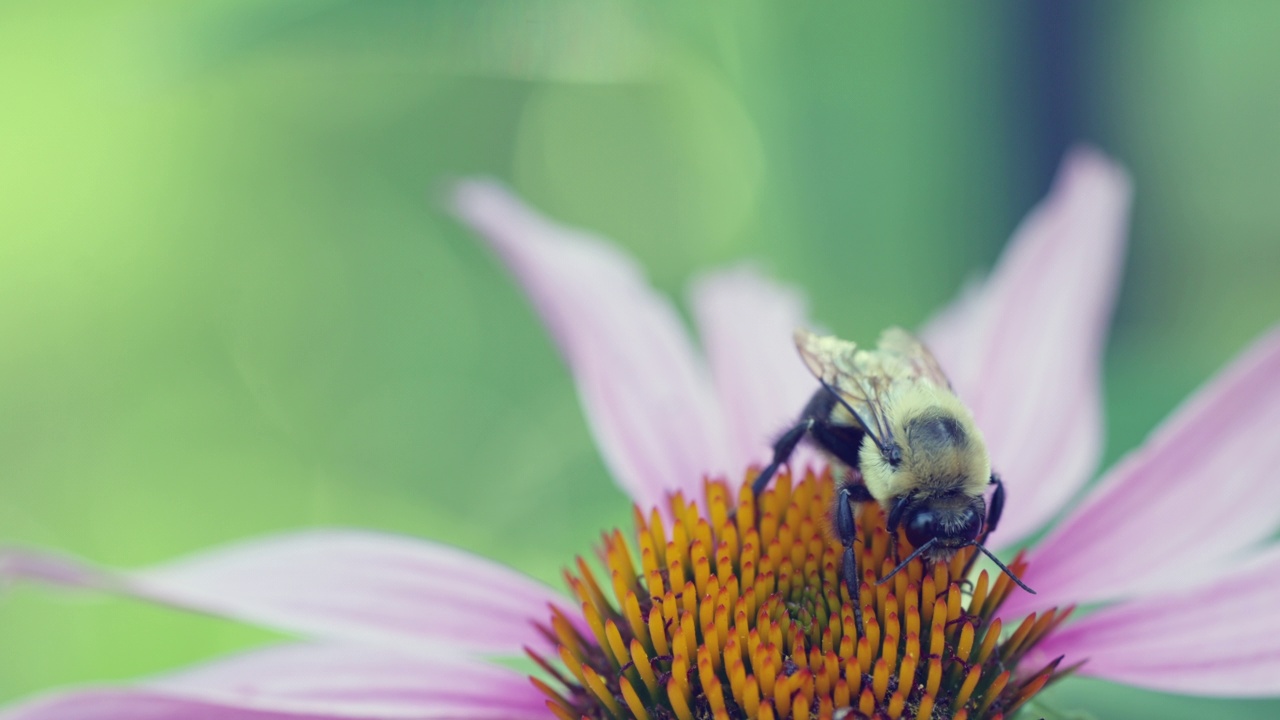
(229, 305)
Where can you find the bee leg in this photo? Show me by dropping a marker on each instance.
(851, 582)
(997, 504)
(894, 520)
(895, 514)
(814, 418)
(847, 530)
(782, 450)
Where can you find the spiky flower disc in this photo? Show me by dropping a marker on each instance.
(739, 612)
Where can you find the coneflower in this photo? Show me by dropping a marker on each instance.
(722, 616)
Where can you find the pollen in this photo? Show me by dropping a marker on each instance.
(737, 609)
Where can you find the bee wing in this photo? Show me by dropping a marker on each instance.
(914, 362)
(859, 378)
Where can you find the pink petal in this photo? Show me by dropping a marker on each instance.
(358, 586)
(1024, 350)
(645, 391)
(1200, 490)
(306, 681)
(746, 322)
(359, 682)
(1222, 638)
(108, 704)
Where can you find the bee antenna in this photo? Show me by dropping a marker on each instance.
(1002, 566)
(861, 420)
(914, 554)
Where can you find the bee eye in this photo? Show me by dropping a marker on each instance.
(970, 523)
(922, 526)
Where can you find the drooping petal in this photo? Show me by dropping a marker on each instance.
(745, 321)
(1024, 350)
(305, 681)
(1221, 638)
(1200, 490)
(358, 586)
(646, 392)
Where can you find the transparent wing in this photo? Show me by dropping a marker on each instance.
(915, 362)
(866, 379)
(856, 376)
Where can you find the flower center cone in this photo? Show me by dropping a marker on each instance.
(738, 610)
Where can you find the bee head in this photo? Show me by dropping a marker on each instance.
(952, 521)
(940, 525)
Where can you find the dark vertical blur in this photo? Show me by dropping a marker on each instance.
(1045, 90)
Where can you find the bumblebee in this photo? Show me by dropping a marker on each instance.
(897, 435)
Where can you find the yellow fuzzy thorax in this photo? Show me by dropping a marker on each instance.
(928, 466)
